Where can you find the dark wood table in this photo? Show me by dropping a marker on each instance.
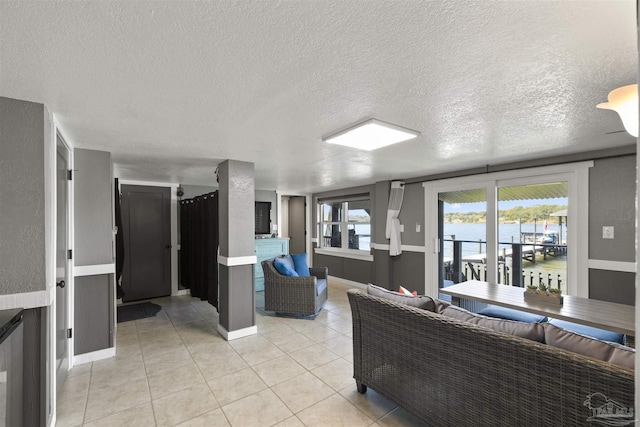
(599, 314)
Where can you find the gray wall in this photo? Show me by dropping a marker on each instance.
(613, 286)
(346, 268)
(93, 313)
(191, 191)
(612, 201)
(612, 196)
(381, 273)
(406, 269)
(412, 213)
(23, 137)
(93, 193)
(378, 231)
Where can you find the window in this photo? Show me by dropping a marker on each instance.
(346, 225)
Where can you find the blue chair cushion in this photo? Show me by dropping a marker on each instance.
(284, 265)
(321, 285)
(589, 331)
(300, 264)
(511, 314)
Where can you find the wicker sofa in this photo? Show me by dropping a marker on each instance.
(449, 372)
(302, 296)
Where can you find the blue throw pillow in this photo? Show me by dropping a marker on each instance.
(284, 268)
(511, 314)
(300, 264)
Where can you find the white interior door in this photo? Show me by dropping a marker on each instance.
(62, 303)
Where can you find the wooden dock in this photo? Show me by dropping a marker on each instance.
(528, 252)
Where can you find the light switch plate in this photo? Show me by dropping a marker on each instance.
(607, 232)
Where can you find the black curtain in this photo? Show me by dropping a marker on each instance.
(119, 241)
(199, 240)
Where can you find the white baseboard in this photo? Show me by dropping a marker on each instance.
(237, 260)
(347, 282)
(240, 333)
(81, 359)
(183, 292)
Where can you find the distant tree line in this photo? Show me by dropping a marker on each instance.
(513, 215)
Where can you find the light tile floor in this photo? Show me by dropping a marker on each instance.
(175, 369)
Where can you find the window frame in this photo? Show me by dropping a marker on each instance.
(344, 224)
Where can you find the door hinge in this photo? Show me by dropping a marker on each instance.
(70, 254)
(69, 333)
(70, 175)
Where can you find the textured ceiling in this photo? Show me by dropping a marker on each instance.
(173, 88)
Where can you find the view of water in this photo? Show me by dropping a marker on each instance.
(553, 268)
(364, 231)
(507, 233)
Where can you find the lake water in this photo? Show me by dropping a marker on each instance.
(507, 233)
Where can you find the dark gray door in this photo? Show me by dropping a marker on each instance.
(297, 225)
(62, 263)
(147, 242)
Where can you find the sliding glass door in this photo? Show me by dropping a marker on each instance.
(509, 229)
(532, 231)
(463, 235)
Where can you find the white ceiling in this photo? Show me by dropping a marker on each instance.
(173, 88)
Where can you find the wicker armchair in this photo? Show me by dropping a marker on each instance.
(302, 296)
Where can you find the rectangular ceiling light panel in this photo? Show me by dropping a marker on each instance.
(371, 134)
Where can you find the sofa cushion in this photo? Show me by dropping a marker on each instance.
(440, 305)
(321, 285)
(300, 264)
(511, 314)
(531, 331)
(623, 356)
(423, 302)
(589, 331)
(284, 265)
(587, 346)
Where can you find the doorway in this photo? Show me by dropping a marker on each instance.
(62, 301)
(146, 225)
(297, 225)
(514, 228)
